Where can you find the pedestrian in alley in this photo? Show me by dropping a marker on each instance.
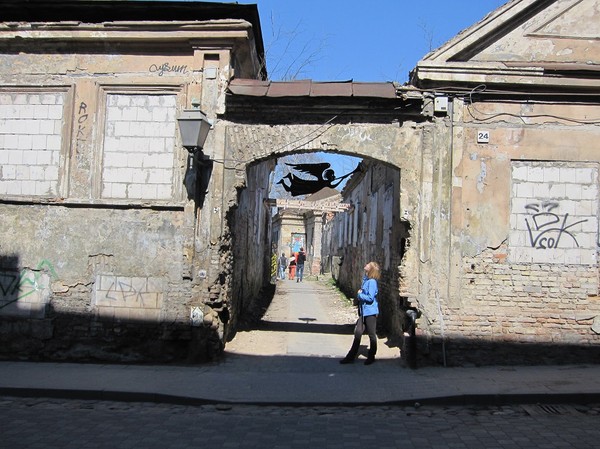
(368, 309)
(300, 265)
(292, 267)
(283, 263)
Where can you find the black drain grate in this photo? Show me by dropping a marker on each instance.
(550, 409)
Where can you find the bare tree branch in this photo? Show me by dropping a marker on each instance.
(290, 53)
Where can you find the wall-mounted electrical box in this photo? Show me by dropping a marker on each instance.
(440, 104)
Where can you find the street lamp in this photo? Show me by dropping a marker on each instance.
(194, 127)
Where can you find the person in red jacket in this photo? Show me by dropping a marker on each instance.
(292, 267)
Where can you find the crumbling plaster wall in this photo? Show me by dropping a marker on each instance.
(247, 259)
(507, 303)
(88, 276)
(372, 230)
(563, 32)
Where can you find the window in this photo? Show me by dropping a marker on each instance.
(31, 126)
(139, 140)
(554, 212)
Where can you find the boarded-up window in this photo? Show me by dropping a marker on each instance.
(139, 142)
(554, 213)
(30, 142)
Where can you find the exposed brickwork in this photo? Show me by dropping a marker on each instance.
(503, 304)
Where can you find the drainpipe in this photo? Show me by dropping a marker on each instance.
(451, 163)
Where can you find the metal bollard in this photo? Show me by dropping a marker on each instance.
(410, 340)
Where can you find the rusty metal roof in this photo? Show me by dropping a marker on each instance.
(309, 88)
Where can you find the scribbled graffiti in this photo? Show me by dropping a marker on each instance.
(547, 228)
(273, 268)
(160, 70)
(123, 291)
(15, 286)
(82, 118)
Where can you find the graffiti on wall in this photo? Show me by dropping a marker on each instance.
(82, 118)
(128, 292)
(547, 228)
(15, 286)
(161, 69)
(125, 291)
(297, 242)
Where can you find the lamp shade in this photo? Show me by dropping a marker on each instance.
(194, 127)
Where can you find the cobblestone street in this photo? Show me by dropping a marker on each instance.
(54, 423)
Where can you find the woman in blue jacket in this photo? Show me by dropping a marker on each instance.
(368, 309)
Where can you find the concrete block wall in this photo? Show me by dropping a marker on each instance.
(129, 298)
(554, 213)
(138, 147)
(30, 139)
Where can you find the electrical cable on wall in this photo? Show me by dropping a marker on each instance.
(482, 88)
(238, 163)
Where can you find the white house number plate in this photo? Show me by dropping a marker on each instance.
(483, 137)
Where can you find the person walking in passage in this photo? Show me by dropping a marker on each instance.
(292, 267)
(300, 259)
(283, 261)
(368, 309)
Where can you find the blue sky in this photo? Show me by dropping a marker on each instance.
(380, 40)
(377, 40)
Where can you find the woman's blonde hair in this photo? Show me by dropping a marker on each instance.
(374, 272)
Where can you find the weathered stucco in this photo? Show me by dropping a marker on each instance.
(111, 248)
(117, 244)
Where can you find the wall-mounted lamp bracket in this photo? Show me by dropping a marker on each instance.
(194, 126)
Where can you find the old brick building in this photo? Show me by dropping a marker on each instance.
(497, 196)
(110, 246)
(514, 228)
(481, 199)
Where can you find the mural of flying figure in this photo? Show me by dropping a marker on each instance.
(322, 171)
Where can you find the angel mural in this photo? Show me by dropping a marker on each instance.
(322, 171)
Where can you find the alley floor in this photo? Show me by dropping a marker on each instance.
(307, 319)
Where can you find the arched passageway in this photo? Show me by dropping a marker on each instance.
(393, 129)
(308, 319)
(382, 199)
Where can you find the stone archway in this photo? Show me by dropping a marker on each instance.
(247, 147)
